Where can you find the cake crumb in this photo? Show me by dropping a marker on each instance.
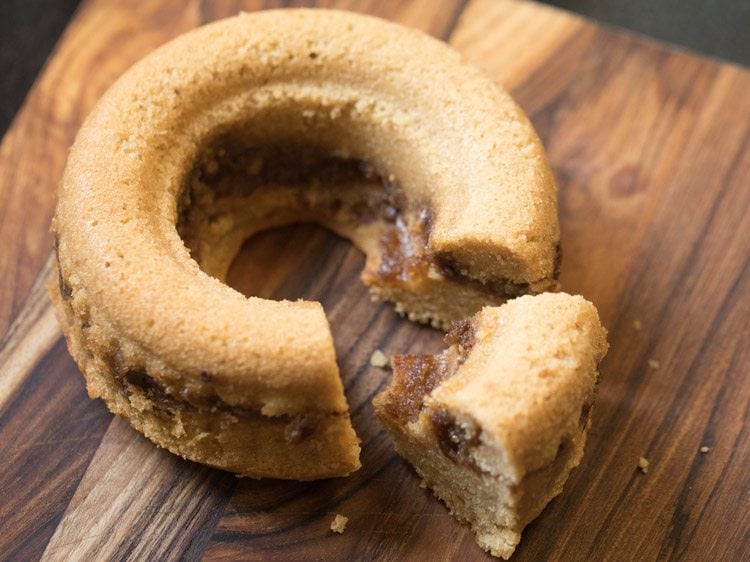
(705, 449)
(338, 525)
(378, 359)
(653, 363)
(643, 465)
(637, 325)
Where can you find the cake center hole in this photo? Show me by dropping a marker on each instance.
(299, 261)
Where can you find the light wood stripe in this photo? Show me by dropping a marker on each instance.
(29, 338)
(511, 39)
(137, 501)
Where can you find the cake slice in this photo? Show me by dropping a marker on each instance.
(495, 423)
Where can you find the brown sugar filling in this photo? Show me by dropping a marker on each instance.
(463, 336)
(416, 376)
(322, 184)
(297, 427)
(456, 440)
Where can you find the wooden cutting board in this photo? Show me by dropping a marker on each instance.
(650, 148)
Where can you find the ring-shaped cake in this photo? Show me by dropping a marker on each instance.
(376, 131)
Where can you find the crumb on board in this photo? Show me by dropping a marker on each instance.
(643, 465)
(653, 363)
(338, 525)
(637, 325)
(705, 449)
(378, 359)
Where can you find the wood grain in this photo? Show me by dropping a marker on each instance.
(135, 501)
(650, 147)
(31, 336)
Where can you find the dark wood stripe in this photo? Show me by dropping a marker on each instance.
(48, 434)
(452, 23)
(737, 462)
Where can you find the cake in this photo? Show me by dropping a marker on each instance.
(378, 132)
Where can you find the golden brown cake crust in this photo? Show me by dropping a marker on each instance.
(349, 84)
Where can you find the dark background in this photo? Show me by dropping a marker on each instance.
(29, 30)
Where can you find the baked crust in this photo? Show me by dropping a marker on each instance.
(496, 423)
(349, 85)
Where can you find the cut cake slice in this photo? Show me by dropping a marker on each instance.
(496, 422)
